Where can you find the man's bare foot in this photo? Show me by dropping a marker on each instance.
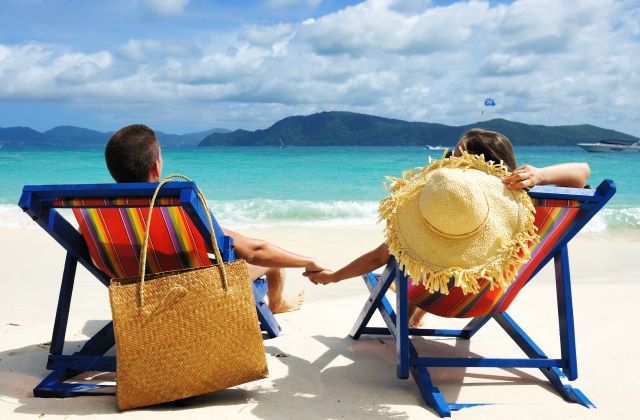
(289, 303)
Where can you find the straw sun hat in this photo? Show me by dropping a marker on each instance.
(456, 221)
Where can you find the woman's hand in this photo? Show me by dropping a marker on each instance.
(573, 175)
(523, 177)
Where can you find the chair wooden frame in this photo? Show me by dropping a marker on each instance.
(41, 203)
(558, 371)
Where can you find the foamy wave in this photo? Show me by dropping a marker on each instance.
(272, 213)
(258, 213)
(615, 220)
(12, 217)
(242, 214)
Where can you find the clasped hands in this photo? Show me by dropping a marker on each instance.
(321, 277)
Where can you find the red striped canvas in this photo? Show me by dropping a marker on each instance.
(552, 218)
(114, 237)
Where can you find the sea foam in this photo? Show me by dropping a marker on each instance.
(242, 214)
(264, 213)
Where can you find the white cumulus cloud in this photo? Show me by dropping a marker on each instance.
(552, 62)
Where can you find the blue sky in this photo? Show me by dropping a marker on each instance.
(185, 66)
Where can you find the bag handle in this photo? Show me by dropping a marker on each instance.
(143, 254)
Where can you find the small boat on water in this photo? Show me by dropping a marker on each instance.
(610, 146)
(429, 147)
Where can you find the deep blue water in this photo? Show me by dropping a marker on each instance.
(325, 186)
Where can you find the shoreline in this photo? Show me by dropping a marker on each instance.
(613, 224)
(315, 367)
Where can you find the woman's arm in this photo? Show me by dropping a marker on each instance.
(361, 265)
(573, 175)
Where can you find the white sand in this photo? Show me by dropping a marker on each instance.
(322, 373)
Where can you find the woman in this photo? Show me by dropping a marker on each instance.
(497, 147)
(494, 147)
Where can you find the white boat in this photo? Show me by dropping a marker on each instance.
(609, 146)
(428, 147)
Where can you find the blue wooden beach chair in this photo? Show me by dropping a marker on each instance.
(560, 214)
(112, 219)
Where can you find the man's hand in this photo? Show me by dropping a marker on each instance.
(315, 266)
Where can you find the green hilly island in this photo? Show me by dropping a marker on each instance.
(334, 128)
(352, 129)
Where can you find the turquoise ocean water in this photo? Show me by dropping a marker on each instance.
(301, 186)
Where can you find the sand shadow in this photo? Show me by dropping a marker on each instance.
(22, 369)
(451, 380)
(364, 372)
(338, 384)
(346, 379)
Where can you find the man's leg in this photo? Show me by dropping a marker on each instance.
(275, 282)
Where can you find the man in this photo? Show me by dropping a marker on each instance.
(133, 155)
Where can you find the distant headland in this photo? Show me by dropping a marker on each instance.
(69, 136)
(333, 128)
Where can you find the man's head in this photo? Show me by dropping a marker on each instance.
(133, 155)
(493, 145)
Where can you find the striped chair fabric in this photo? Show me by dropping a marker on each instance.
(114, 237)
(553, 218)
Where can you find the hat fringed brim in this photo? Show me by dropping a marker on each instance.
(501, 271)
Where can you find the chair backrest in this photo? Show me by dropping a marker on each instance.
(560, 214)
(114, 237)
(112, 220)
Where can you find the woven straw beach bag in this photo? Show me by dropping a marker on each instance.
(184, 333)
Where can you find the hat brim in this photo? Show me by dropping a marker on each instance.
(492, 252)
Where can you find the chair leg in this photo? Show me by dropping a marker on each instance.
(54, 386)
(402, 326)
(64, 305)
(100, 343)
(377, 300)
(430, 393)
(474, 326)
(554, 375)
(565, 313)
(567, 331)
(66, 367)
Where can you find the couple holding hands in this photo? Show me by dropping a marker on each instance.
(462, 218)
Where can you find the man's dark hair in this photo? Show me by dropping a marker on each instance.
(131, 152)
(493, 145)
